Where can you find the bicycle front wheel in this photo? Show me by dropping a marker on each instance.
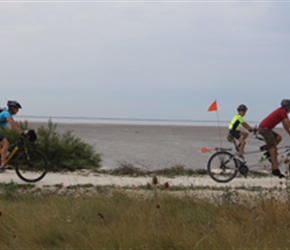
(222, 166)
(31, 166)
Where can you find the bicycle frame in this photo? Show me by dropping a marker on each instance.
(10, 156)
(30, 164)
(15, 147)
(283, 154)
(224, 165)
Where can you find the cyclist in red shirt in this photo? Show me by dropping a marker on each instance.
(272, 138)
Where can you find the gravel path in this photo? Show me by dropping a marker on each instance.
(96, 179)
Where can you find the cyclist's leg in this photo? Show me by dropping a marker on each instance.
(4, 149)
(273, 148)
(241, 138)
(272, 139)
(273, 157)
(235, 134)
(242, 141)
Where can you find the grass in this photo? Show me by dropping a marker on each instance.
(115, 218)
(127, 168)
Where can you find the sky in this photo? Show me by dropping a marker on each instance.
(145, 59)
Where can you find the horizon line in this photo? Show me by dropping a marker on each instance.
(122, 118)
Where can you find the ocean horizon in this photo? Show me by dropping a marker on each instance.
(127, 121)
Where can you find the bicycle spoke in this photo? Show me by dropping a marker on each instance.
(31, 167)
(222, 167)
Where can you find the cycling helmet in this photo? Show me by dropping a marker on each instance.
(242, 107)
(13, 104)
(285, 103)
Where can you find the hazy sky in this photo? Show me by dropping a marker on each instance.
(145, 59)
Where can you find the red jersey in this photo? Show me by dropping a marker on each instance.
(274, 118)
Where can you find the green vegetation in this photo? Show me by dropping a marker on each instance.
(114, 219)
(127, 168)
(63, 151)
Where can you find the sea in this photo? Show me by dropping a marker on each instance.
(134, 121)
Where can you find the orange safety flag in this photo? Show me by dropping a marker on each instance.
(213, 107)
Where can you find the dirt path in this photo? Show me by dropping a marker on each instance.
(96, 179)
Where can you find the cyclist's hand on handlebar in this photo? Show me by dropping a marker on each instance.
(25, 134)
(29, 134)
(254, 130)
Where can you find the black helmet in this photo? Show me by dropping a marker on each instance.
(13, 104)
(285, 103)
(242, 107)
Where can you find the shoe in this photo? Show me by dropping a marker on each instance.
(2, 170)
(9, 167)
(277, 172)
(240, 158)
(265, 156)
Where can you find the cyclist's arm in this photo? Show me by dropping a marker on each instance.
(247, 126)
(286, 125)
(14, 125)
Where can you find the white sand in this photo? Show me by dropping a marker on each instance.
(96, 179)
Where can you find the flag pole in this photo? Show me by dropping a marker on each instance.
(219, 129)
(214, 107)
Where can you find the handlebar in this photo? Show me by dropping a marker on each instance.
(29, 134)
(255, 133)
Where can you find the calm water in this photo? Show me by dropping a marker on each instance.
(88, 120)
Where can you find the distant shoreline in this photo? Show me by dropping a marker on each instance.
(125, 121)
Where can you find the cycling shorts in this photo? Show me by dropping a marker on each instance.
(270, 137)
(235, 133)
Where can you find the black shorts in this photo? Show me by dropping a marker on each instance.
(1, 137)
(235, 133)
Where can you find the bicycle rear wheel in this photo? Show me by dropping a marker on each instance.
(222, 166)
(31, 166)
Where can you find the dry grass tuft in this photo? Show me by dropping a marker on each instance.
(155, 180)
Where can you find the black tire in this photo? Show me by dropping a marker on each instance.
(222, 166)
(31, 166)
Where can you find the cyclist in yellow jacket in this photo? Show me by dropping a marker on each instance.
(234, 129)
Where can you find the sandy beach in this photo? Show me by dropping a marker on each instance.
(148, 147)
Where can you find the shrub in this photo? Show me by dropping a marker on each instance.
(63, 151)
(11, 134)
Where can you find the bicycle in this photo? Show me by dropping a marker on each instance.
(30, 164)
(223, 166)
